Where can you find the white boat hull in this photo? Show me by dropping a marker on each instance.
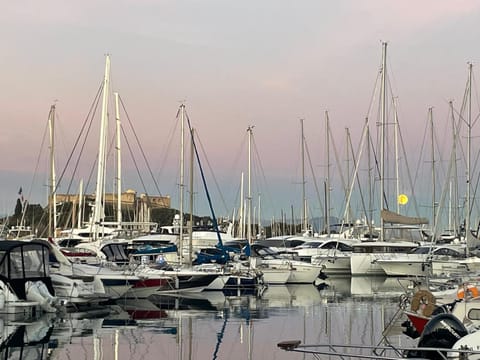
(393, 267)
(363, 264)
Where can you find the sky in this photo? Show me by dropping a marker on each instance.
(234, 64)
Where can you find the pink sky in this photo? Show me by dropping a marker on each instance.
(236, 64)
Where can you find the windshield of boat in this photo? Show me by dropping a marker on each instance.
(27, 263)
(412, 234)
(309, 245)
(421, 250)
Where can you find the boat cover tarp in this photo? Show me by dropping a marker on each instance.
(394, 218)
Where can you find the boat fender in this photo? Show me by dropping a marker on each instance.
(423, 301)
(471, 291)
(38, 292)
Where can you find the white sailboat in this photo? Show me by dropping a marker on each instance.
(404, 234)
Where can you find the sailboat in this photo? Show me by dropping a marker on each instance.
(403, 233)
(274, 269)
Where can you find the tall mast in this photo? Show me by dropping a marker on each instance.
(432, 137)
(327, 180)
(249, 198)
(190, 232)
(370, 171)
(454, 178)
(304, 199)
(395, 139)
(52, 219)
(382, 135)
(259, 221)
(80, 205)
(182, 175)
(242, 210)
(469, 134)
(98, 209)
(348, 213)
(119, 164)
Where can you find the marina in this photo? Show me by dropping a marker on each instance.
(217, 180)
(208, 325)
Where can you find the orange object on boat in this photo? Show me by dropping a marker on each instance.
(470, 290)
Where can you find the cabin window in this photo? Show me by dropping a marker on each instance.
(16, 267)
(34, 258)
(330, 245)
(344, 247)
(474, 314)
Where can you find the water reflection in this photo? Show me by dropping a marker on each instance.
(363, 286)
(211, 325)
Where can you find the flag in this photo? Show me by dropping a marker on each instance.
(20, 191)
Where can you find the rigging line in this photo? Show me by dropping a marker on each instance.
(474, 203)
(214, 218)
(315, 184)
(236, 160)
(476, 92)
(166, 150)
(458, 128)
(355, 166)
(337, 159)
(134, 161)
(141, 150)
(239, 153)
(212, 173)
(261, 169)
(445, 187)
(25, 205)
(90, 115)
(377, 168)
(374, 92)
(438, 150)
(420, 156)
(409, 176)
(460, 121)
(91, 111)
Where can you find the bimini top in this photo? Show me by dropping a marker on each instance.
(22, 261)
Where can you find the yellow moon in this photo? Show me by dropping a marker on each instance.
(402, 199)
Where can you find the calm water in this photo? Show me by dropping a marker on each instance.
(214, 325)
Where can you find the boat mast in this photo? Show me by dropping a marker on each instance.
(242, 210)
(119, 164)
(260, 217)
(98, 216)
(304, 199)
(395, 139)
(80, 205)
(469, 134)
(370, 177)
(327, 180)
(454, 203)
(432, 136)
(182, 175)
(52, 219)
(190, 227)
(249, 197)
(382, 135)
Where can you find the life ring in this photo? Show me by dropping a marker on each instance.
(424, 301)
(470, 290)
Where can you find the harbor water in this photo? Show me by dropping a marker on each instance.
(215, 325)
